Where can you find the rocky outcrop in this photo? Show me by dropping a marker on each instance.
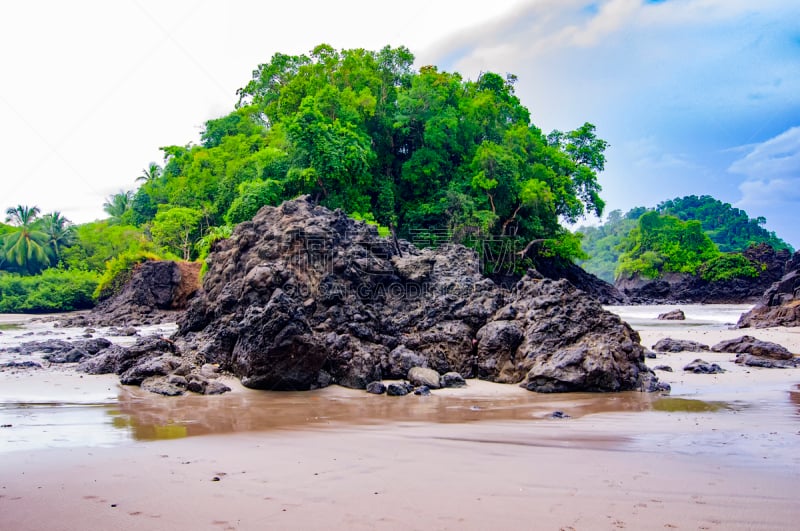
(757, 353)
(588, 283)
(699, 366)
(780, 304)
(302, 297)
(153, 295)
(685, 288)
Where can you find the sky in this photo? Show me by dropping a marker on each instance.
(693, 96)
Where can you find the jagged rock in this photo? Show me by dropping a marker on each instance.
(376, 388)
(420, 376)
(683, 287)
(679, 345)
(301, 297)
(395, 389)
(151, 295)
(753, 346)
(673, 315)
(399, 361)
(665, 368)
(152, 366)
(452, 379)
(699, 366)
(780, 304)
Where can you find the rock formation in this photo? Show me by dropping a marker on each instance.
(757, 353)
(681, 287)
(780, 304)
(155, 291)
(301, 297)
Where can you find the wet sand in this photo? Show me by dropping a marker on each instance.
(721, 452)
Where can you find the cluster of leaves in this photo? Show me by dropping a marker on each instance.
(52, 290)
(727, 266)
(661, 243)
(31, 244)
(360, 130)
(729, 228)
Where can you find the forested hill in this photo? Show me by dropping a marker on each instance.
(416, 152)
(730, 229)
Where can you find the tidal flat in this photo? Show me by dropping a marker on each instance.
(720, 451)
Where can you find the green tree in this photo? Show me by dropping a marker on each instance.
(117, 205)
(26, 247)
(175, 229)
(150, 173)
(60, 234)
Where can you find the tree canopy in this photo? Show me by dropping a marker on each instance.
(362, 131)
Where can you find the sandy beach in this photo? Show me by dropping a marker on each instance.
(720, 452)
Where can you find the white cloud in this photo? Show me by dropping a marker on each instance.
(772, 170)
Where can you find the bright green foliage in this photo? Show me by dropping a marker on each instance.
(118, 271)
(60, 234)
(118, 206)
(369, 219)
(52, 290)
(213, 235)
(661, 244)
(98, 242)
(176, 229)
(359, 130)
(602, 243)
(730, 228)
(728, 266)
(25, 248)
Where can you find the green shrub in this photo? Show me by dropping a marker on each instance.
(727, 266)
(54, 290)
(118, 272)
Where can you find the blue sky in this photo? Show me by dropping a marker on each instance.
(694, 96)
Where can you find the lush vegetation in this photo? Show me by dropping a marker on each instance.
(730, 229)
(360, 130)
(52, 290)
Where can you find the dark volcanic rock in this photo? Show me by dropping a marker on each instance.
(766, 363)
(753, 346)
(152, 294)
(376, 388)
(302, 297)
(678, 345)
(673, 315)
(699, 366)
(396, 389)
(452, 379)
(780, 304)
(422, 390)
(596, 287)
(681, 287)
(665, 368)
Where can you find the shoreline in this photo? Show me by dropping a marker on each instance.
(720, 452)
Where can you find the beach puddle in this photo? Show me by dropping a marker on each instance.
(688, 405)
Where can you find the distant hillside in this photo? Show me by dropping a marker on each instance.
(731, 229)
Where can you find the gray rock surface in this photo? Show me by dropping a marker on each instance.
(699, 366)
(421, 376)
(755, 347)
(673, 315)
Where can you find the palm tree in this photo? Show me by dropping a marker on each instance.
(150, 173)
(116, 205)
(26, 247)
(59, 231)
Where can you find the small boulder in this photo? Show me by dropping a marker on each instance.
(161, 386)
(376, 388)
(665, 368)
(419, 376)
(452, 379)
(215, 387)
(422, 390)
(672, 315)
(699, 366)
(396, 389)
(678, 345)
